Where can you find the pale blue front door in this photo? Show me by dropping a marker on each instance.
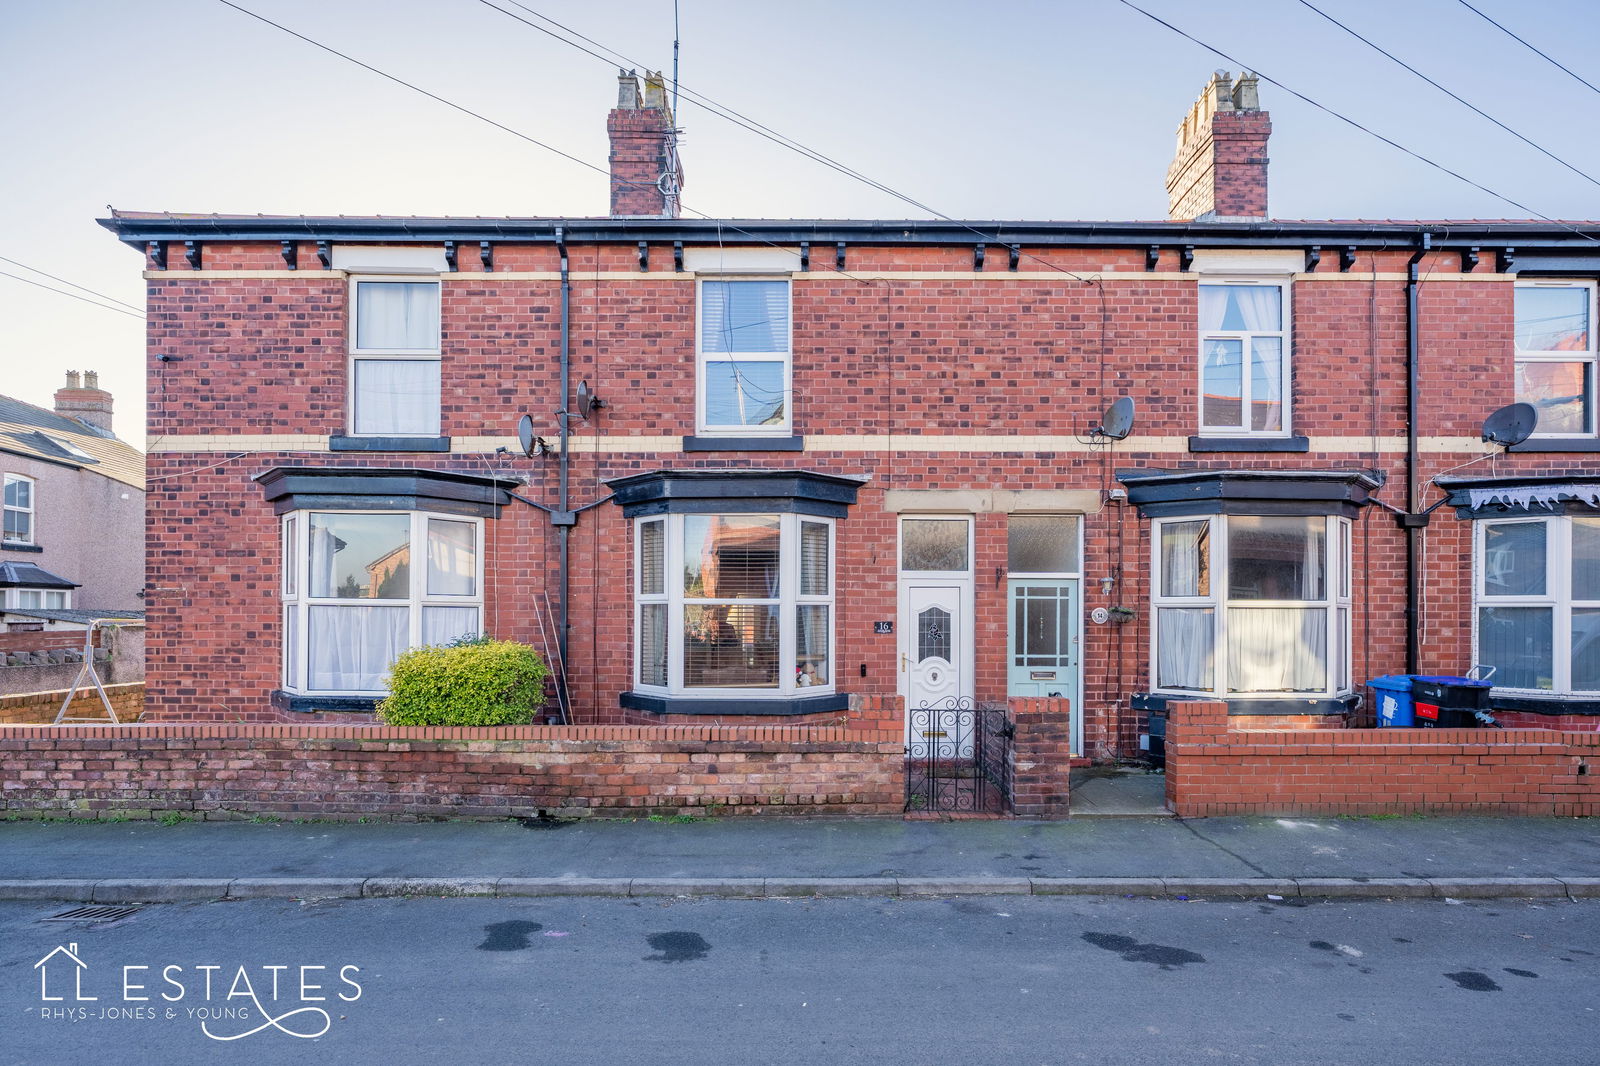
(1042, 638)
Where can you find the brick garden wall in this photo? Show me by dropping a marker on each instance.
(41, 707)
(1220, 766)
(406, 774)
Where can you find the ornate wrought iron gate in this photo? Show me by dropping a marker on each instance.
(958, 758)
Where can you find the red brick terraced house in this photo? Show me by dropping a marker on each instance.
(843, 459)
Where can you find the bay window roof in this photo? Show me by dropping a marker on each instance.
(732, 491)
(1242, 491)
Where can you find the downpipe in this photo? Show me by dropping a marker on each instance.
(1414, 520)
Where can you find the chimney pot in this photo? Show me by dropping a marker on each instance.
(627, 90)
(72, 380)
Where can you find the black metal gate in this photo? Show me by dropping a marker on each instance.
(958, 759)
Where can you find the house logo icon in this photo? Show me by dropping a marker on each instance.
(68, 954)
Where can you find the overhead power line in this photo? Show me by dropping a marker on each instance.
(722, 111)
(1473, 107)
(74, 284)
(73, 295)
(1529, 47)
(1352, 122)
(497, 125)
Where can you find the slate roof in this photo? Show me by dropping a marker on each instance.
(73, 614)
(27, 575)
(27, 430)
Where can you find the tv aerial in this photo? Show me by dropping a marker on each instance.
(588, 402)
(532, 444)
(1512, 424)
(1117, 422)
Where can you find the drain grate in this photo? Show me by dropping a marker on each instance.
(91, 914)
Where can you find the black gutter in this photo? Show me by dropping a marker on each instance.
(137, 232)
(1414, 521)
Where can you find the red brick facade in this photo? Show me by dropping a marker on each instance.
(913, 362)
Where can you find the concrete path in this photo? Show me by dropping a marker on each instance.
(1121, 856)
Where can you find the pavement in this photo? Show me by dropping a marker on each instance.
(744, 857)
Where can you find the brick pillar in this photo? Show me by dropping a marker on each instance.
(1192, 725)
(645, 173)
(1041, 757)
(1220, 167)
(876, 712)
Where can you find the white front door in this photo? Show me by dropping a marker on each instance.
(937, 665)
(935, 628)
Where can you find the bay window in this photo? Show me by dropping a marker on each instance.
(1537, 616)
(734, 604)
(361, 587)
(1252, 606)
(36, 599)
(394, 357)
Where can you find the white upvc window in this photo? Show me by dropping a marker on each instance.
(38, 599)
(1244, 357)
(733, 605)
(394, 356)
(1537, 597)
(744, 369)
(16, 515)
(360, 587)
(1251, 607)
(1555, 354)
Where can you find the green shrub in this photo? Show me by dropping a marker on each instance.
(471, 682)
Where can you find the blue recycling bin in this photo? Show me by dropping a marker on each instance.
(1392, 698)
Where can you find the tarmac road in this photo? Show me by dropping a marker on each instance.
(661, 981)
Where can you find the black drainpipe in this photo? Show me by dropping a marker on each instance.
(563, 518)
(1413, 521)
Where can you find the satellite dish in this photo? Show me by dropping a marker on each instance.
(531, 443)
(1510, 425)
(1118, 421)
(588, 402)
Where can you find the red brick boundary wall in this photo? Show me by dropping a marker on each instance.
(41, 707)
(409, 774)
(1217, 766)
(1041, 757)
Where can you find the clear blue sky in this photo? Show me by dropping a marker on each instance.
(1026, 109)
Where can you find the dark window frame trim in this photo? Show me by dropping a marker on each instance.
(357, 488)
(740, 491)
(344, 443)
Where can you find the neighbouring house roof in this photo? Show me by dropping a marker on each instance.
(26, 575)
(72, 615)
(39, 433)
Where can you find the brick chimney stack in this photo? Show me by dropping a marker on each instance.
(85, 400)
(645, 172)
(1220, 168)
